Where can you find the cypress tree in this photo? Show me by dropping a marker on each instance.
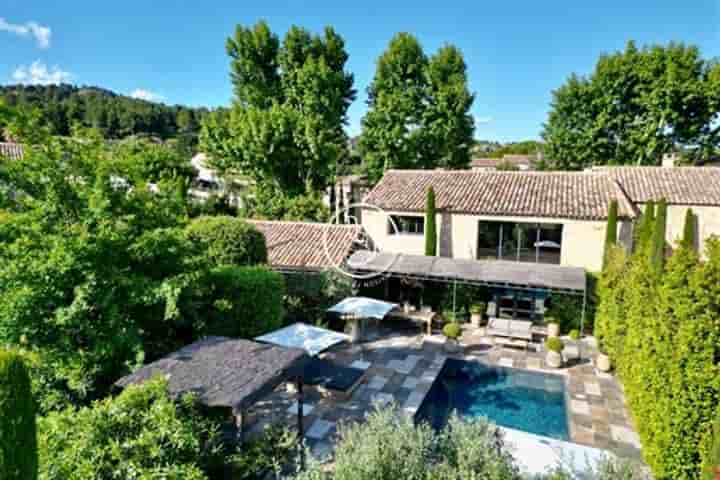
(657, 252)
(611, 230)
(18, 436)
(688, 238)
(430, 224)
(644, 230)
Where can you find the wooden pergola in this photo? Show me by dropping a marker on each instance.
(228, 373)
(494, 274)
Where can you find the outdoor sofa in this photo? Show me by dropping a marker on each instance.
(509, 331)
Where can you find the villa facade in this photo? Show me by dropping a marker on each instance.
(545, 217)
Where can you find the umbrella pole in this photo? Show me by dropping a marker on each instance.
(454, 298)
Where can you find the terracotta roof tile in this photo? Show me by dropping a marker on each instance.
(13, 151)
(300, 245)
(677, 185)
(573, 195)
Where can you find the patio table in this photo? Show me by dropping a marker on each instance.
(417, 316)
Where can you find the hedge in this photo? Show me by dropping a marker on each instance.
(18, 440)
(662, 331)
(246, 301)
(228, 240)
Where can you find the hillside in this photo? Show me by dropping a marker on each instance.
(115, 115)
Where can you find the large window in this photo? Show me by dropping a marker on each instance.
(398, 224)
(521, 242)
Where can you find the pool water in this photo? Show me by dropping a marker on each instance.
(530, 401)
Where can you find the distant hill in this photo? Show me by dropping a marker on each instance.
(115, 115)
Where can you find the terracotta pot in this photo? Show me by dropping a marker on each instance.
(602, 362)
(554, 359)
(476, 319)
(553, 330)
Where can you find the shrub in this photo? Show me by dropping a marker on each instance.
(228, 240)
(18, 438)
(566, 310)
(574, 334)
(554, 344)
(430, 224)
(452, 330)
(389, 446)
(478, 308)
(246, 302)
(141, 433)
(274, 204)
(607, 468)
(309, 295)
(276, 447)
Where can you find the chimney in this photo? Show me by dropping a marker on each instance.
(669, 160)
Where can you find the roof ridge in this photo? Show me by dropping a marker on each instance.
(501, 172)
(303, 222)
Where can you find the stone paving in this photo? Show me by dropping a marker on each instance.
(402, 365)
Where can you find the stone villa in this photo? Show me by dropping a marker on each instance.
(546, 217)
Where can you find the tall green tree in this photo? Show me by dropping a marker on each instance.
(611, 230)
(18, 435)
(689, 238)
(253, 53)
(285, 128)
(418, 114)
(644, 229)
(659, 234)
(447, 117)
(392, 134)
(635, 106)
(430, 224)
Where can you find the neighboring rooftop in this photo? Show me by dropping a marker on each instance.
(573, 195)
(302, 245)
(224, 372)
(524, 162)
(13, 151)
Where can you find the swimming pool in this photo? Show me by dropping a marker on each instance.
(530, 401)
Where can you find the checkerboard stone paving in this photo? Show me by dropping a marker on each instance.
(401, 368)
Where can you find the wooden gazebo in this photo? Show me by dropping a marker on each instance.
(228, 373)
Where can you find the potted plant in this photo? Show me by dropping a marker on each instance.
(452, 332)
(554, 347)
(553, 327)
(476, 313)
(602, 362)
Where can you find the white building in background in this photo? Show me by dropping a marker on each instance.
(516, 162)
(208, 182)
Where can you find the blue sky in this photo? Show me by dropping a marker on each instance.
(517, 52)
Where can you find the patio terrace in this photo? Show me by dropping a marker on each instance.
(402, 364)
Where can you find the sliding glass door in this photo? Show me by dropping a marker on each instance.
(520, 241)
